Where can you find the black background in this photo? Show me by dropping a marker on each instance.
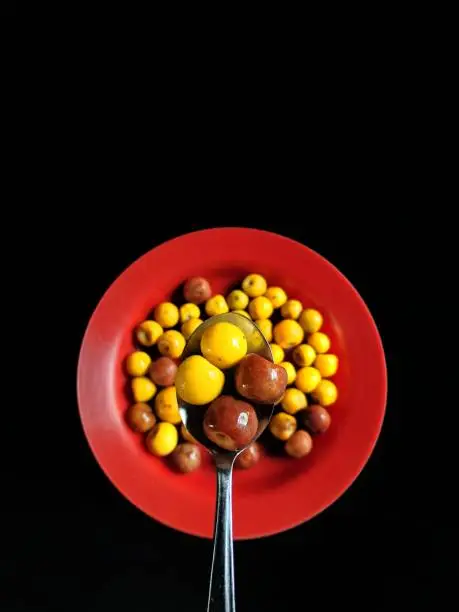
(72, 542)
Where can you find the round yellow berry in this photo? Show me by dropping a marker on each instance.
(266, 328)
(290, 369)
(294, 400)
(304, 355)
(148, 332)
(291, 309)
(282, 426)
(307, 379)
(166, 314)
(320, 342)
(288, 334)
(325, 393)
(198, 382)
(143, 389)
(254, 285)
(223, 344)
(216, 305)
(137, 363)
(277, 296)
(260, 308)
(237, 300)
(311, 320)
(166, 406)
(327, 364)
(162, 439)
(278, 353)
(189, 311)
(171, 344)
(189, 326)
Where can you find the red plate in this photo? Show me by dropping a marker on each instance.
(278, 493)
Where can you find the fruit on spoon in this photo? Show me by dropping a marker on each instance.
(259, 380)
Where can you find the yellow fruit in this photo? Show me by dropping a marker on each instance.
(266, 328)
(311, 320)
(282, 425)
(148, 332)
(198, 382)
(186, 435)
(223, 344)
(290, 369)
(304, 355)
(237, 300)
(189, 326)
(137, 363)
(254, 285)
(166, 314)
(162, 439)
(278, 353)
(166, 406)
(291, 309)
(307, 379)
(189, 311)
(143, 389)
(288, 334)
(260, 308)
(294, 400)
(326, 364)
(277, 296)
(244, 313)
(216, 305)
(171, 344)
(325, 393)
(320, 342)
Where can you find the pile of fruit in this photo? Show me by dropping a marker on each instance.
(303, 391)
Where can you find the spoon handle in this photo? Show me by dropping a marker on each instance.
(221, 592)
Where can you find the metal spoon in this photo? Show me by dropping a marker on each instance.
(221, 590)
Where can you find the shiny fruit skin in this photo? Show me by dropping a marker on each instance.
(291, 372)
(299, 444)
(216, 305)
(266, 328)
(162, 371)
(189, 311)
(171, 344)
(166, 314)
(254, 285)
(186, 457)
(260, 308)
(140, 417)
(288, 334)
(197, 290)
(137, 363)
(291, 309)
(249, 457)
(294, 400)
(148, 332)
(143, 389)
(278, 353)
(316, 418)
(277, 296)
(304, 355)
(230, 423)
(166, 406)
(223, 344)
(320, 342)
(260, 380)
(189, 327)
(325, 393)
(327, 364)
(310, 320)
(282, 426)
(162, 439)
(237, 300)
(197, 381)
(307, 379)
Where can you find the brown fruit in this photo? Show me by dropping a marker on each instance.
(230, 423)
(299, 445)
(186, 457)
(140, 417)
(260, 380)
(316, 418)
(197, 290)
(249, 456)
(163, 371)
